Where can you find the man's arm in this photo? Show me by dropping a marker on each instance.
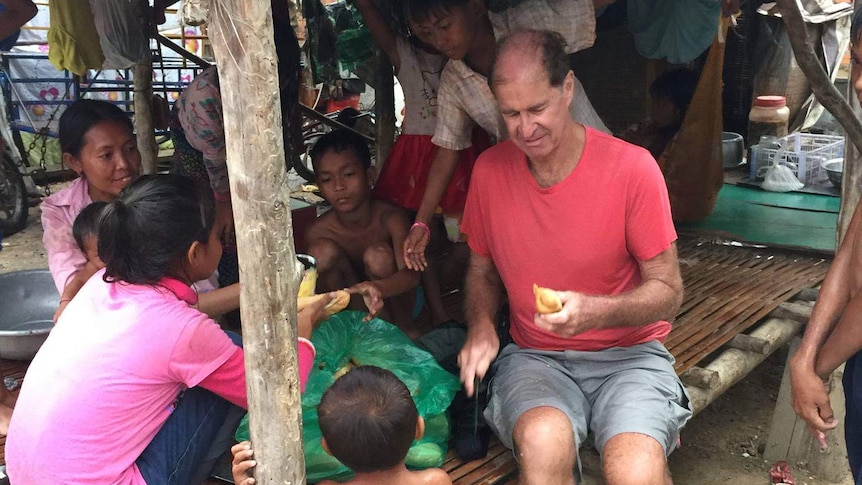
(658, 297)
(809, 393)
(484, 295)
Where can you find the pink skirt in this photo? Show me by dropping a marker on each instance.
(405, 173)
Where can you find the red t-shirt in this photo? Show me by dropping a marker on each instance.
(585, 234)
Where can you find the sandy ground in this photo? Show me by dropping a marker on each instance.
(722, 445)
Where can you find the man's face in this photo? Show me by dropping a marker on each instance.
(342, 180)
(536, 113)
(451, 32)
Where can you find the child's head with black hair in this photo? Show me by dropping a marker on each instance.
(449, 26)
(340, 141)
(160, 226)
(85, 229)
(369, 420)
(342, 162)
(672, 92)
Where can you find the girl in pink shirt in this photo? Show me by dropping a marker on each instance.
(134, 385)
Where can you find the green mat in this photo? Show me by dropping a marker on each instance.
(791, 219)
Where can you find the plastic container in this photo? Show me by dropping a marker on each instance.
(768, 117)
(804, 153)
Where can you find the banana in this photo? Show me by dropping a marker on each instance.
(547, 300)
(342, 298)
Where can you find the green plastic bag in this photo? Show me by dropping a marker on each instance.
(344, 341)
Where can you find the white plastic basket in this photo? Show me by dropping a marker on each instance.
(802, 152)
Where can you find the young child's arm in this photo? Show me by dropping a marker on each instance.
(243, 462)
(383, 36)
(74, 286)
(439, 176)
(219, 301)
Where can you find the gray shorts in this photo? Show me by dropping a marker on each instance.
(613, 391)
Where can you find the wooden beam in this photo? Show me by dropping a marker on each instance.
(700, 377)
(734, 364)
(831, 99)
(790, 310)
(144, 115)
(242, 39)
(384, 96)
(747, 342)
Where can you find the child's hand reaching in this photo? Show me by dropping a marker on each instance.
(371, 295)
(313, 314)
(243, 462)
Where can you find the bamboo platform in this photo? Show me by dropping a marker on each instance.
(728, 291)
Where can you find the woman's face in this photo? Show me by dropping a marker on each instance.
(856, 68)
(109, 160)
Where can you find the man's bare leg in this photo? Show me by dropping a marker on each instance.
(546, 448)
(634, 458)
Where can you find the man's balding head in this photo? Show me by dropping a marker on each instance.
(526, 50)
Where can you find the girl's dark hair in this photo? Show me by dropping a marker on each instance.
(856, 27)
(146, 233)
(368, 419)
(420, 10)
(87, 223)
(340, 141)
(82, 115)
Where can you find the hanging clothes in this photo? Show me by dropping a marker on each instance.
(73, 42)
(119, 24)
(676, 30)
(692, 163)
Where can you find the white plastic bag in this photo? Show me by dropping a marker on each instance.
(780, 178)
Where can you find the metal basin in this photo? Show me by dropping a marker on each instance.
(28, 300)
(834, 169)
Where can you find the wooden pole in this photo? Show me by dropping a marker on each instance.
(144, 115)
(832, 100)
(242, 38)
(384, 96)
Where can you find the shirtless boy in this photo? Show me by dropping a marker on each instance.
(355, 242)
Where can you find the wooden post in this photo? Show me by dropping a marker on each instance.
(144, 115)
(384, 96)
(242, 37)
(832, 100)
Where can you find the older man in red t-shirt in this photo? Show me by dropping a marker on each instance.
(570, 208)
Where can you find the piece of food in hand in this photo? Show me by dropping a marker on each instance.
(547, 300)
(338, 303)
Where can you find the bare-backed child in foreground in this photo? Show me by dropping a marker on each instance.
(368, 421)
(355, 243)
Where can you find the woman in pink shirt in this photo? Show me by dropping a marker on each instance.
(134, 385)
(97, 142)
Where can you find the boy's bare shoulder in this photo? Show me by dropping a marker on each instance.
(433, 476)
(322, 226)
(387, 211)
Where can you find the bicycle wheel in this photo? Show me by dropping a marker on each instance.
(13, 197)
(302, 165)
